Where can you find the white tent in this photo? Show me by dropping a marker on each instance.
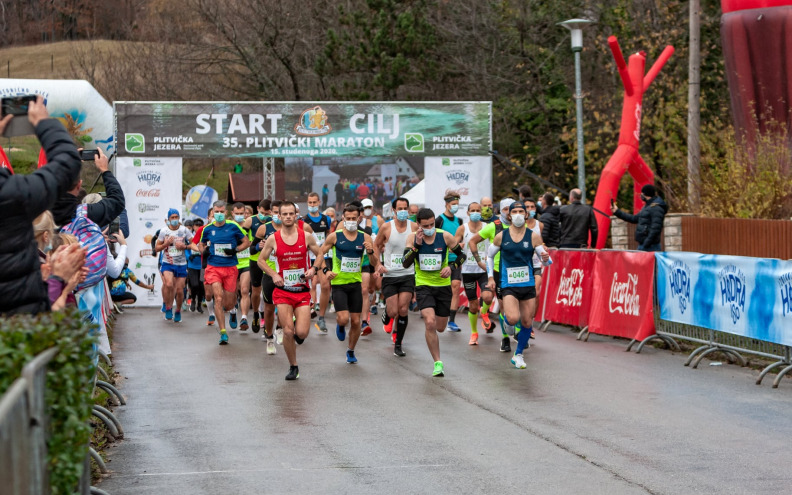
(417, 195)
(323, 175)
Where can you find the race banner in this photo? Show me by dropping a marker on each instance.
(470, 177)
(567, 287)
(293, 129)
(151, 187)
(750, 297)
(622, 296)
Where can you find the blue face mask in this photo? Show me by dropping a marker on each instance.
(239, 218)
(531, 213)
(454, 209)
(174, 223)
(262, 216)
(475, 216)
(276, 219)
(313, 209)
(219, 217)
(402, 215)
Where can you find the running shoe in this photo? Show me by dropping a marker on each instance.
(473, 339)
(373, 309)
(486, 323)
(223, 337)
(518, 361)
(232, 321)
(211, 320)
(340, 332)
(394, 336)
(321, 325)
(505, 345)
(316, 307)
(192, 305)
(265, 338)
(169, 314)
(256, 324)
(351, 359)
(177, 317)
(453, 327)
(243, 324)
(438, 369)
(200, 308)
(279, 336)
(271, 349)
(388, 327)
(397, 351)
(413, 305)
(314, 312)
(294, 373)
(163, 308)
(365, 329)
(385, 318)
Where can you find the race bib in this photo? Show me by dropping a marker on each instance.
(350, 265)
(397, 260)
(173, 251)
(218, 249)
(292, 277)
(430, 262)
(244, 254)
(320, 237)
(518, 275)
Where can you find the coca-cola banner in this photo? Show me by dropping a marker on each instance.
(151, 186)
(566, 287)
(623, 288)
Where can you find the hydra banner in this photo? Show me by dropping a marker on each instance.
(751, 297)
(292, 129)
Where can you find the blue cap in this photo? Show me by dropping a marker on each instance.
(173, 211)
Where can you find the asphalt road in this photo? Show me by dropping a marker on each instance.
(582, 418)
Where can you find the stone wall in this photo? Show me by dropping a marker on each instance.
(672, 232)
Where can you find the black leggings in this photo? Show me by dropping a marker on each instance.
(195, 284)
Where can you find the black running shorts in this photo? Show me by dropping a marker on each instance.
(471, 280)
(392, 286)
(521, 293)
(437, 298)
(256, 274)
(267, 287)
(348, 297)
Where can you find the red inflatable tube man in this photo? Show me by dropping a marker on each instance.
(626, 157)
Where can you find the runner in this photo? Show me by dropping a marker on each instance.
(535, 226)
(292, 294)
(487, 210)
(348, 247)
(370, 224)
(488, 232)
(517, 275)
(243, 266)
(398, 283)
(194, 276)
(474, 277)
(256, 274)
(173, 241)
(429, 247)
(449, 222)
(321, 225)
(221, 241)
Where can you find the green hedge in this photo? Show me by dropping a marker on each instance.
(69, 379)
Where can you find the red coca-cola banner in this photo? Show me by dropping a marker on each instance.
(623, 289)
(565, 295)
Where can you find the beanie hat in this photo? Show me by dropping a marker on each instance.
(649, 190)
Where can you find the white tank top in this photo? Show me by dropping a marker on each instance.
(394, 252)
(470, 265)
(537, 262)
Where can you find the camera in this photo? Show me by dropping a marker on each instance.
(88, 155)
(17, 105)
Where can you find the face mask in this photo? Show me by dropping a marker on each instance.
(402, 215)
(532, 213)
(475, 216)
(48, 248)
(350, 225)
(174, 223)
(239, 218)
(413, 218)
(261, 216)
(367, 212)
(429, 232)
(504, 218)
(539, 203)
(276, 219)
(518, 220)
(219, 217)
(454, 209)
(486, 212)
(313, 209)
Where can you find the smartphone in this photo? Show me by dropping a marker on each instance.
(16, 105)
(612, 202)
(115, 225)
(88, 155)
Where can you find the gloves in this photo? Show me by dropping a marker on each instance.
(229, 251)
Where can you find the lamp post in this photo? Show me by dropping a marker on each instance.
(576, 27)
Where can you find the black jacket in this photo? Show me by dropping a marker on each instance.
(102, 213)
(577, 220)
(551, 218)
(649, 220)
(22, 199)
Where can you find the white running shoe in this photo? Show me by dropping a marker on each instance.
(271, 349)
(264, 336)
(518, 361)
(279, 336)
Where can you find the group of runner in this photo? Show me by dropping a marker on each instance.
(274, 262)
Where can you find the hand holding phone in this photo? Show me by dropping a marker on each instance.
(88, 155)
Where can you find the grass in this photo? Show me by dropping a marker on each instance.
(48, 61)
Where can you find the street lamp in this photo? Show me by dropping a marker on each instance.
(576, 27)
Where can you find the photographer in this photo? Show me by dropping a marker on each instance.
(25, 197)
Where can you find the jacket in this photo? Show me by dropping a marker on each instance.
(102, 213)
(551, 218)
(22, 199)
(577, 220)
(649, 220)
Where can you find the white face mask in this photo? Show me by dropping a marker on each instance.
(429, 232)
(350, 225)
(367, 212)
(518, 220)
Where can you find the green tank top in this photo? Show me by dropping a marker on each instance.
(431, 259)
(348, 258)
(488, 232)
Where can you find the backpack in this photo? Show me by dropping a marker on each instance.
(90, 236)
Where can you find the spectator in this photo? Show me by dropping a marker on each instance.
(119, 287)
(117, 258)
(194, 279)
(649, 219)
(25, 197)
(44, 233)
(64, 269)
(551, 218)
(524, 192)
(325, 195)
(577, 222)
(102, 212)
(339, 195)
(363, 191)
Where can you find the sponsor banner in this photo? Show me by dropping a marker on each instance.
(751, 297)
(297, 129)
(622, 299)
(567, 287)
(151, 187)
(471, 177)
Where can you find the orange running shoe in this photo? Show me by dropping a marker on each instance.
(366, 330)
(389, 327)
(486, 323)
(473, 339)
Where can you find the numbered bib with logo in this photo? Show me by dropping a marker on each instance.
(320, 237)
(397, 260)
(219, 249)
(430, 262)
(244, 254)
(518, 275)
(173, 251)
(292, 277)
(350, 265)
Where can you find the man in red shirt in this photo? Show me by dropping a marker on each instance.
(363, 191)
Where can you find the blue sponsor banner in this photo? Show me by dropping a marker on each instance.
(751, 297)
